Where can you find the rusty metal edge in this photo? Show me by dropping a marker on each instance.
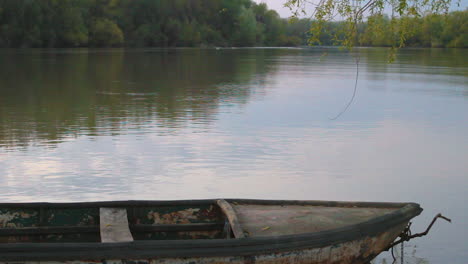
(215, 247)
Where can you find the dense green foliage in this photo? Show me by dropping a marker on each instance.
(77, 23)
(434, 30)
(450, 31)
(395, 23)
(193, 23)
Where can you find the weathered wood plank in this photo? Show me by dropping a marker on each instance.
(114, 225)
(231, 215)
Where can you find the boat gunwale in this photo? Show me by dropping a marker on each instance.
(216, 247)
(143, 203)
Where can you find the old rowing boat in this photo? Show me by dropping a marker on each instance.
(200, 231)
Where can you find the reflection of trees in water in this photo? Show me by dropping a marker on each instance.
(446, 68)
(408, 60)
(48, 96)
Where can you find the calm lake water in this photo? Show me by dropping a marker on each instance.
(85, 125)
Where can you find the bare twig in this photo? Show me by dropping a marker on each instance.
(406, 234)
(354, 92)
(358, 58)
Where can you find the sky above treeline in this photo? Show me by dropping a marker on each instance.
(278, 5)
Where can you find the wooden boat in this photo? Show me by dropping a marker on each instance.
(200, 231)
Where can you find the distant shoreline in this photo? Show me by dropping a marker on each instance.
(224, 48)
(205, 23)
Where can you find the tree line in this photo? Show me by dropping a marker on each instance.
(139, 23)
(195, 23)
(433, 30)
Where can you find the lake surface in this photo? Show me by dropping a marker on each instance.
(85, 125)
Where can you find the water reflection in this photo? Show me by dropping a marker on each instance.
(49, 96)
(439, 67)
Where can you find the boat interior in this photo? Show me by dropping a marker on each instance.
(110, 222)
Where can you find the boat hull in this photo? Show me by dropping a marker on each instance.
(359, 251)
(345, 243)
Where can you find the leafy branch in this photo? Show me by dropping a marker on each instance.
(355, 12)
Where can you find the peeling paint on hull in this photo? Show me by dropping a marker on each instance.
(353, 252)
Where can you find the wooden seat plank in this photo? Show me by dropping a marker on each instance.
(114, 225)
(231, 215)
